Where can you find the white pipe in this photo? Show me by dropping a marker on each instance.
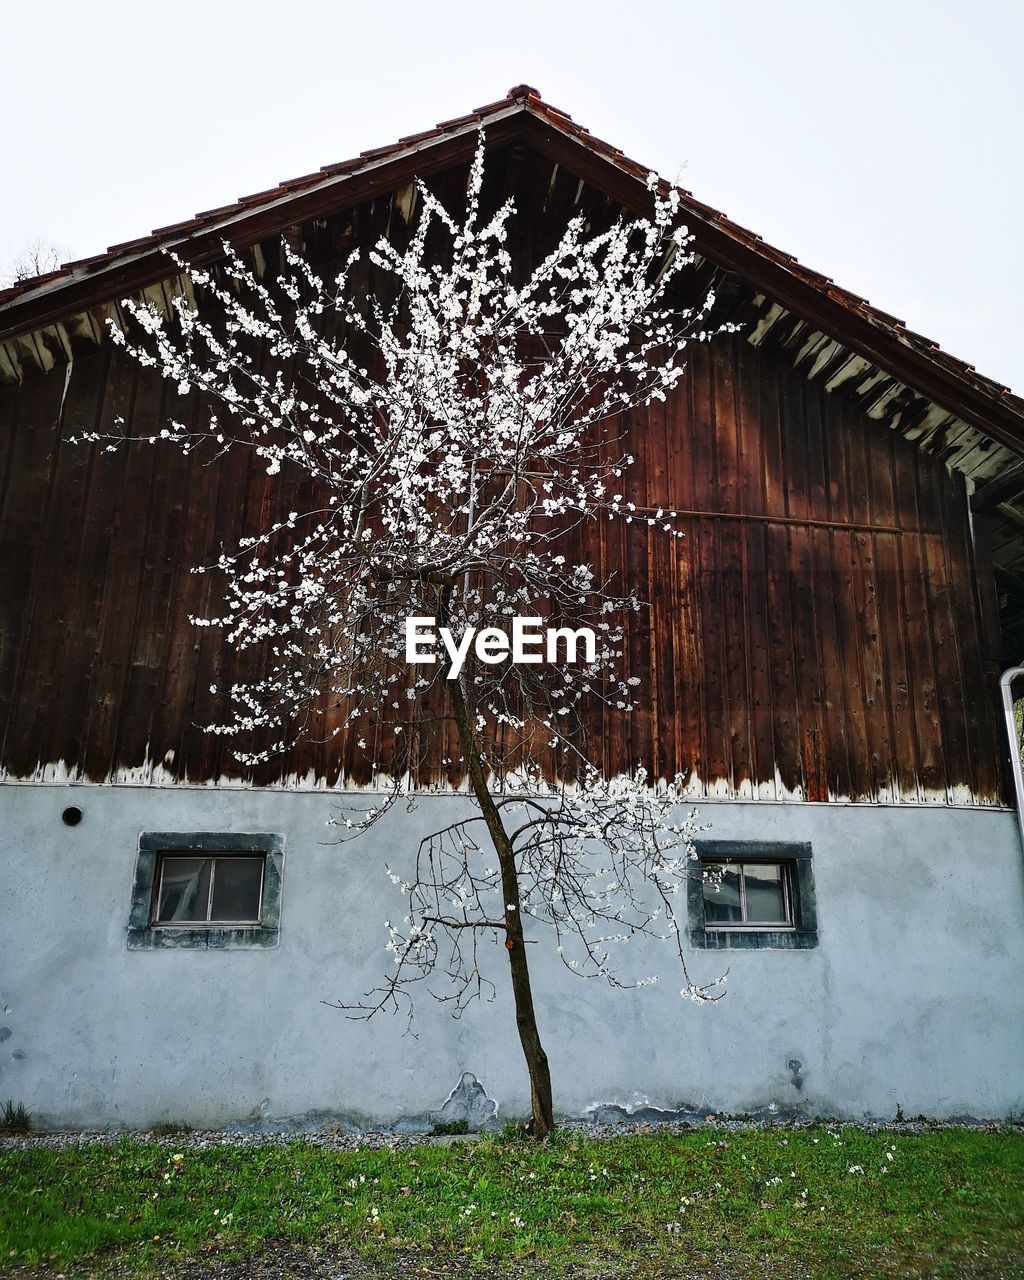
(1005, 682)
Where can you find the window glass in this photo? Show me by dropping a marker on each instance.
(217, 889)
(766, 893)
(184, 889)
(236, 889)
(751, 895)
(722, 897)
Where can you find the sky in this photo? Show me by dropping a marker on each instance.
(879, 143)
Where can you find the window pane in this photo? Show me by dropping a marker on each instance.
(236, 889)
(722, 900)
(766, 895)
(184, 889)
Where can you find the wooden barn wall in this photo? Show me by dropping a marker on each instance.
(819, 632)
(816, 634)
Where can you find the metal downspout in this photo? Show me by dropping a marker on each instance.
(1005, 682)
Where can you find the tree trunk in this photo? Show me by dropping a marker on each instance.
(542, 1120)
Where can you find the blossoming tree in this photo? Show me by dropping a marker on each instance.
(462, 429)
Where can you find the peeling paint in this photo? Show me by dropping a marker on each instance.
(765, 324)
(694, 791)
(469, 1101)
(853, 367)
(825, 355)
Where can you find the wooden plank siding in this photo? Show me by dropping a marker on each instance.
(817, 634)
(807, 637)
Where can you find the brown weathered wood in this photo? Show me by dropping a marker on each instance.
(731, 559)
(26, 503)
(61, 706)
(895, 657)
(942, 629)
(781, 645)
(830, 686)
(977, 678)
(717, 762)
(156, 562)
(641, 643)
(804, 603)
(119, 592)
(922, 679)
(860, 459)
(818, 631)
(750, 497)
(690, 731)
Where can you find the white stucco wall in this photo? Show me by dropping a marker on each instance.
(914, 996)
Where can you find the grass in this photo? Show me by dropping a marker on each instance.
(823, 1202)
(15, 1119)
(450, 1128)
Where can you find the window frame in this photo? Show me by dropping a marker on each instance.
(145, 932)
(786, 879)
(794, 858)
(215, 857)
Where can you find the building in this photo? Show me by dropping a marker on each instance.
(822, 653)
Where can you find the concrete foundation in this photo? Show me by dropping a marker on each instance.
(912, 998)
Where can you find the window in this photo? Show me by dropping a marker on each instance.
(206, 889)
(752, 894)
(220, 889)
(747, 895)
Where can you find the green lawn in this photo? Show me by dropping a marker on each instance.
(809, 1202)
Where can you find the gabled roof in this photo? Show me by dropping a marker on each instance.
(821, 306)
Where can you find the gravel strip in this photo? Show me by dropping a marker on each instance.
(280, 1261)
(376, 1139)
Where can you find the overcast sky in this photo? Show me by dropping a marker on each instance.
(878, 142)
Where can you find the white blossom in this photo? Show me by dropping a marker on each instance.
(455, 425)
